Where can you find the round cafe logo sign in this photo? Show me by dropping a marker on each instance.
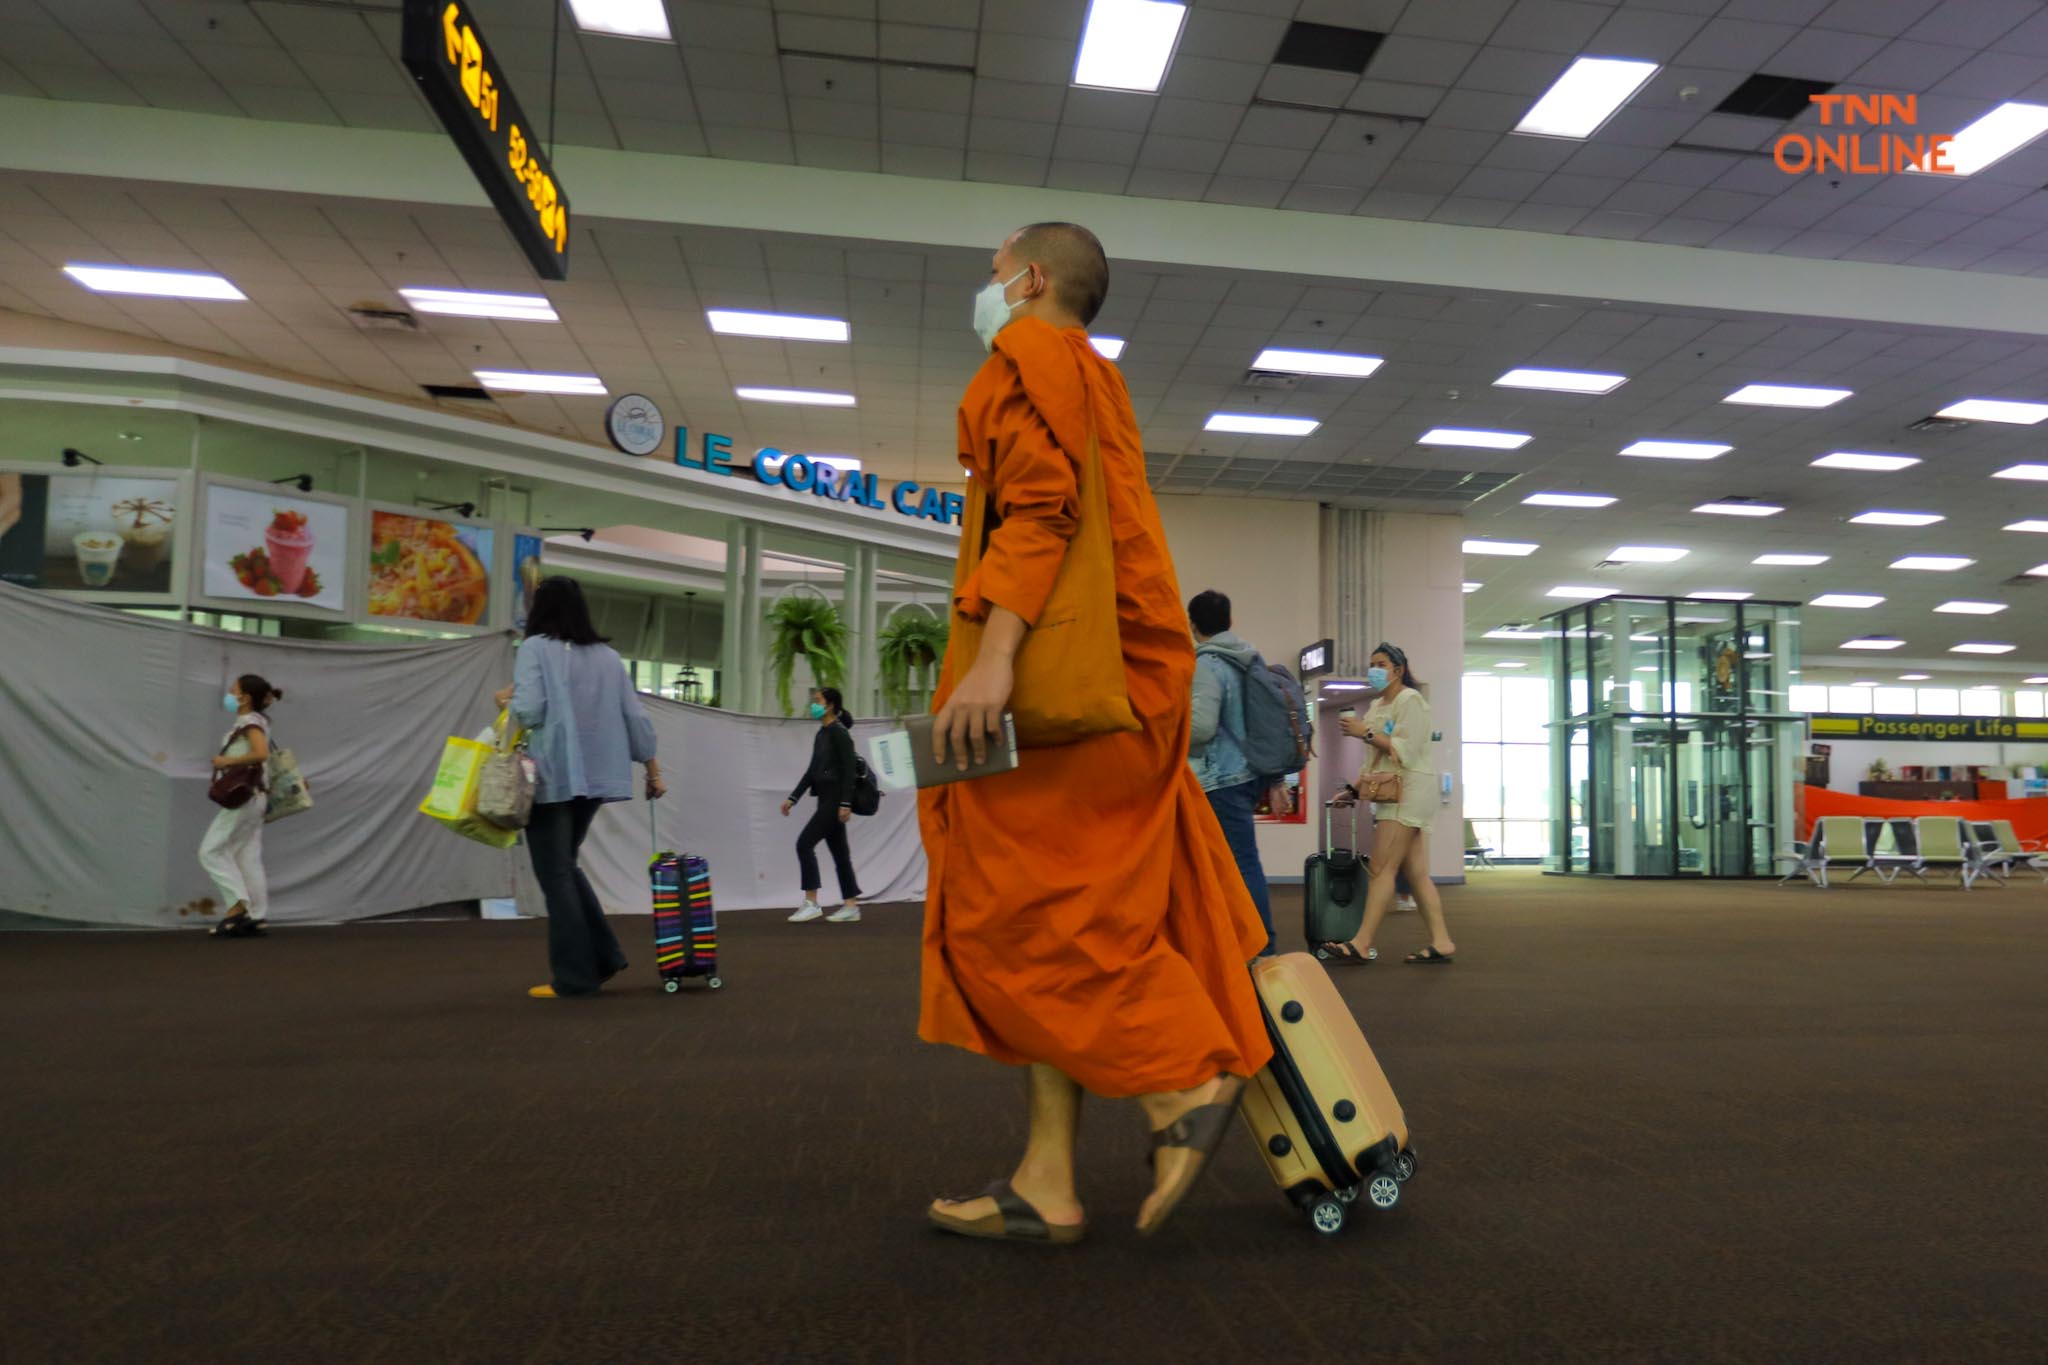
(634, 424)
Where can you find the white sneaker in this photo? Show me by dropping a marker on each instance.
(1406, 903)
(809, 912)
(845, 914)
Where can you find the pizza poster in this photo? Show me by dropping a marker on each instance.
(87, 532)
(425, 568)
(274, 547)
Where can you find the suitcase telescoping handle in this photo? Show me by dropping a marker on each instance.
(1329, 834)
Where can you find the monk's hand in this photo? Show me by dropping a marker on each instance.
(973, 715)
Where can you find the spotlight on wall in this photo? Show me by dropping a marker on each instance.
(303, 482)
(72, 458)
(588, 533)
(467, 509)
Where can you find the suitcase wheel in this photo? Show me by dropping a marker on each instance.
(671, 985)
(1326, 1216)
(1404, 1167)
(1383, 1190)
(714, 983)
(1349, 1195)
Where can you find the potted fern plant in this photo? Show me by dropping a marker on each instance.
(810, 626)
(908, 640)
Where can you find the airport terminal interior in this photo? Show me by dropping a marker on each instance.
(1641, 399)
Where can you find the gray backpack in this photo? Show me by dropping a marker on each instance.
(1275, 733)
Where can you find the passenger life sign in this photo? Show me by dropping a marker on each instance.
(466, 88)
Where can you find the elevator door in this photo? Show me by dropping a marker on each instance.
(1722, 767)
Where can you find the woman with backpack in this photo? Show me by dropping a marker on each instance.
(232, 851)
(833, 771)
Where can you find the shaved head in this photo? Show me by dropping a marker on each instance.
(1072, 260)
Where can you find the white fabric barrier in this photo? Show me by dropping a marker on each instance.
(108, 721)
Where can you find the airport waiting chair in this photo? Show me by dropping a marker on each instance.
(1809, 858)
(1895, 849)
(1996, 857)
(1476, 853)
(1948, 845)
(2027, 853)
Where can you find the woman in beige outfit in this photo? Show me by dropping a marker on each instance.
(1396, 727)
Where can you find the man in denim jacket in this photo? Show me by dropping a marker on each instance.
(1215, 745)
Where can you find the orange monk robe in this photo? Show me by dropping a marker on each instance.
(1084, 910)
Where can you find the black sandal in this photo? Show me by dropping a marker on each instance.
(1014, 1220)
(1346, 954)
(1430, 957)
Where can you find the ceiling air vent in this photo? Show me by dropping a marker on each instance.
(466, 393)
(1326, 47)
(375, 317)
(1777, 98)
(1271, 379)
(1939, 424)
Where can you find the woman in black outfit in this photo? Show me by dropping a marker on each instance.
(830, 776)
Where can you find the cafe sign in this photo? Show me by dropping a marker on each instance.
(1930, 729)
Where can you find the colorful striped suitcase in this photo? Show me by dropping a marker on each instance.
(685, 925)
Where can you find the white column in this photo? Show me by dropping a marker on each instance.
(731, 675)
(866, 680)
(751, 684)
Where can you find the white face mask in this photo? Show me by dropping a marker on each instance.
(992, 309)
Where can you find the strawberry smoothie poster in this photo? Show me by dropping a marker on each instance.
(274, 546)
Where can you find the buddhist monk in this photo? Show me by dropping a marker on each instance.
(1084, 918)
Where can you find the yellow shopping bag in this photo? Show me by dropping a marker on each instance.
(452, 799)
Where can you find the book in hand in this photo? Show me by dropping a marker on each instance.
(902, 759)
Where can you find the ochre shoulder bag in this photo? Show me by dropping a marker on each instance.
(1069, 672)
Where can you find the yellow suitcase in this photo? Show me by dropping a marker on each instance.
(1324, 1117)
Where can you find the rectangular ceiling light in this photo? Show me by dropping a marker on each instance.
(1677, 450)
(1109, 348)
(1647, 554)
(1996, 410)
(1581, 593)
(1972, 608)
(1568, 500)
(1480, 440)
(160, 284)
(1511, 633)
(1875, 464)
(1337, 365)
(1560, 381)
(1786, 396)
(1791, 561)
(1128, 43)
(1897, 518)
(519, 381)
(2038, 571)
(2029, 525)
(1991, 139)
(1474, 587)
(1740, 509)
(2035, 472)
(1933, 563)
(2035, 682)
(1250, 424)
(1874, 642)
(1720, 595)
(623, 18)
(1515, 548)
(808, 397)
(1845, 599)
(783, 326)
(1585, 97)
(1982, 647)
(1915, 677)
(462, 303)
(1512, 663)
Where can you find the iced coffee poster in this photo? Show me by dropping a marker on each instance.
(275, 547)
(526, 576)
(426, 568)
(87, 532)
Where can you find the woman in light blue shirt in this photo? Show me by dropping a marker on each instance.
(586, 730)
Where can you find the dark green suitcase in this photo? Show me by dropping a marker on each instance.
(1333, 888)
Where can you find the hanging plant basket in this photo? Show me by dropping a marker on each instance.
(811, 626)
(913, 637)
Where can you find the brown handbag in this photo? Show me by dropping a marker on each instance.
(1069, 672)
(235, 787)
(1380, 788)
